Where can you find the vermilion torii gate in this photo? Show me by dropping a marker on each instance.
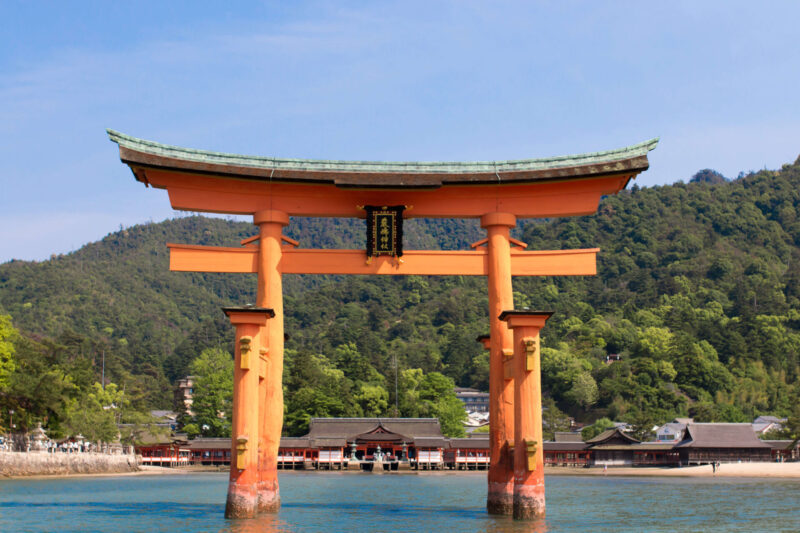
(272, 190)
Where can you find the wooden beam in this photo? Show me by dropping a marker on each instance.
(191, 258)
(535, 200)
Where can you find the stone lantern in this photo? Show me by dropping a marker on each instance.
(353, 450)
(38, 439)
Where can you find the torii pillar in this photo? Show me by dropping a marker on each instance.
(249, 322)
(528, 448)
(499, 499)
(270, 388)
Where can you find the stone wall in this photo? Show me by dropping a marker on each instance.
(43, 463)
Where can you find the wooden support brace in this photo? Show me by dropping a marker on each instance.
(249, 240)
(530, 452)
(290, 241)
(244, 348)
(531, 345)
(517, 242)
(241, 452)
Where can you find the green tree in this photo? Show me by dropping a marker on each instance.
(793, 424)
(212, 397)
(39, 389)
(7, 336)
(641, 423)
(95, 415)
(583, 391)
(433, 395)
(320, 389)
(553, 419)
(373, 399)
(599, 426)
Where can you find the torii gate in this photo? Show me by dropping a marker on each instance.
(272, 190)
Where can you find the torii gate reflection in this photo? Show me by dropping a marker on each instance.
(272, 190)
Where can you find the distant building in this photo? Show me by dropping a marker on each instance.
(785, 450)
(566, 449)
(708, 443)
(474, 400)
(165, 419)
(475, 420)
(766, 423)
(336, 443)
(622, 426)
(418, 439)
(672, 431)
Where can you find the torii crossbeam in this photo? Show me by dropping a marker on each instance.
(272, 190)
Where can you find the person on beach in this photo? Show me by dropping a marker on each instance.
(713, 468)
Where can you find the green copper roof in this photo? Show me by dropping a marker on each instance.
(378, 167)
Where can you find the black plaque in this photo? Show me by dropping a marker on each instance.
(384, 230)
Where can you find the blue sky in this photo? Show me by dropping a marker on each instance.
(404, 80)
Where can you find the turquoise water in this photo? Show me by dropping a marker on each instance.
(445, 503)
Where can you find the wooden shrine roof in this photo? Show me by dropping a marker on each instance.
(478, 442)
(345, 428)
(142, 154)
(555, 446)
(721, 435)
(379, 434)
(567, 436)
(294, 442)
(612, 436)
(431, 442)
(209, 443)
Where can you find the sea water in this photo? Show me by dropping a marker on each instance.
(441, 503)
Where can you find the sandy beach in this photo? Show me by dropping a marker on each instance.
(764, 470)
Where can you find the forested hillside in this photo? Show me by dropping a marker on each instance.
(695, 310)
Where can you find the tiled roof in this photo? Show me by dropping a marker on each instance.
(471, 443)
(648, 446)
(294, 442)
(721, 435)
(567, 436)
(332, 442)
(766, 419)
(612, 436)
(350, 427)
(781, 444)
(412, 174)
(564, 446)
(431, 442)
(209, 443)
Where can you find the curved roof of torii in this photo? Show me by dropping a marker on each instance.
(141, 154)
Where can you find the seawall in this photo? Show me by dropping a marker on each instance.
(14, 464)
